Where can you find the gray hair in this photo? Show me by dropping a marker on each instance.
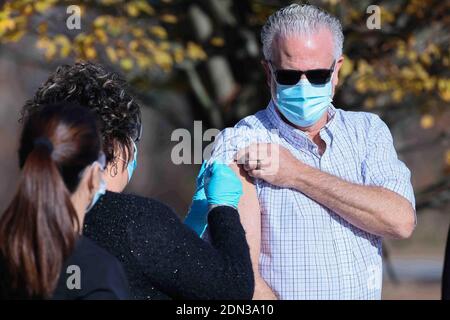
(300, 19)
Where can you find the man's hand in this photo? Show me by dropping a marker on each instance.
(270, 162)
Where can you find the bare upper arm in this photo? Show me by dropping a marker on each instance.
(249, 212)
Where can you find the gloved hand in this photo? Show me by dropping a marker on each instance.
(197, 216)
(222, 186)
(216, 185)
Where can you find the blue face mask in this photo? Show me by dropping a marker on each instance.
(132, 164)
(303, 104)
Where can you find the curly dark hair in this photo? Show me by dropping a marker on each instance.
(104, 92)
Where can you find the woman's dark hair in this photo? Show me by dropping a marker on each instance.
(39, 228)
(105, 93)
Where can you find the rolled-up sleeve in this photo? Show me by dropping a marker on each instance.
(382, 167)
(229, 142)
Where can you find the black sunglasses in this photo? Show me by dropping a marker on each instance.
(291, 77)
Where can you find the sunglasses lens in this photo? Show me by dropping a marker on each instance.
(318, 76)
(288, 77)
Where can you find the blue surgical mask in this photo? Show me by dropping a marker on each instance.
(303, 104)
(132, 164)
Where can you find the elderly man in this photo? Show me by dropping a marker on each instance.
(328, 186)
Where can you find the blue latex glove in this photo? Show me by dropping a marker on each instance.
(196, 219)
(216, 185)
(222, 186)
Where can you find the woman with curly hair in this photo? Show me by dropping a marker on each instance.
(163, 258)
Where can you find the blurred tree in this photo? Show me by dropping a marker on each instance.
(209, 51)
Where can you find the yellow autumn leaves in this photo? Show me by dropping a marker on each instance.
(124, 40)
(13, 24)
(427, 121)
(141, 37)
(404, 74)
(144, 47)
(135, 7)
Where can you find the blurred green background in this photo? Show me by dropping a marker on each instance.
(200, 60)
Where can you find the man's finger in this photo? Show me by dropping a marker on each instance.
(246, 154)
(251, 165)
(255, 173)
(264, 162)
(241, 155)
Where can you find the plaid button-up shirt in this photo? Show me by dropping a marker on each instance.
(307, 250)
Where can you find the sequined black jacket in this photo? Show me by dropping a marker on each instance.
(165, 259)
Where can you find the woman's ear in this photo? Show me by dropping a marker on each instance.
(116, 174)
(116, 167)
(87, 187)
(89, 183)
(94, 176)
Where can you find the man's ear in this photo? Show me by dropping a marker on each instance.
(266, 67)
(337, 67)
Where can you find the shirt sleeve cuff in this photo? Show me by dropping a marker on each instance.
(403, 189)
